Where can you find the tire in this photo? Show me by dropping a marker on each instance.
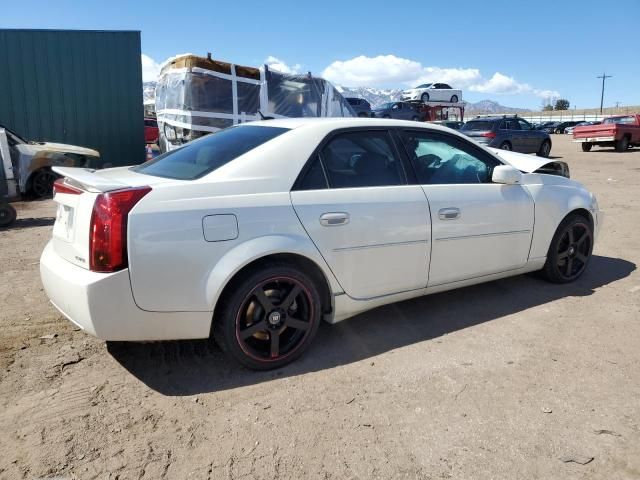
(545, 149)
(363, 114)
(586, 147)
(454, 99)
(623, 144)
(424, 98)
(558, 131)
(570, 250)
(386, 116)
(414, 118)
(42, 183)
(506, 146)
(259, 330)
(7, 215)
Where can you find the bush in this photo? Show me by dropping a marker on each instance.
(562, 104)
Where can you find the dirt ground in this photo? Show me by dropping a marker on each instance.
(513, 379)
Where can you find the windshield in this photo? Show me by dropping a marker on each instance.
(622, 120)
(424, 85)
(385, 106)
(205, 155)
(478, 125)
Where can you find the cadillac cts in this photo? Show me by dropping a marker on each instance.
(255, 233)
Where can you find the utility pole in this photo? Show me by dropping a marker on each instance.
(604, 76)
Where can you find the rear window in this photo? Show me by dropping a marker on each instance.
(209, 153)
(478, 125)
(620, 120)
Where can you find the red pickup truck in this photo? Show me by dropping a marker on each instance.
(621, 132)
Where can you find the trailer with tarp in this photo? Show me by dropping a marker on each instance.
(199, 95)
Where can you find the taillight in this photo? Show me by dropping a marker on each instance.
(108, 232)
(60, 187)
(488, 134)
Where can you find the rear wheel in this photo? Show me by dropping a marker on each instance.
(586, 147)
(363, 114)
(7, 215)
(570, 250)
(269, 317)
(544, 150)
(454, 99)
(424, 97)
(622, 145)
(505, 146)
(414, 118)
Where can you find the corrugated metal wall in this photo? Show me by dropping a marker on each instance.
(72, 86)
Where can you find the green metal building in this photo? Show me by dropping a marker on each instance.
(75, 86)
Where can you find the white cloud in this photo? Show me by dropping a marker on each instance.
(150, 68)
(503, 84)
(386, 70)
(277, 64)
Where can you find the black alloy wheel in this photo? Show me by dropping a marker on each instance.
(269, 319)
(42, 183)
(570, 250)
(506, 146)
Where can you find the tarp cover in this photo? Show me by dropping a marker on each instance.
(197, 95)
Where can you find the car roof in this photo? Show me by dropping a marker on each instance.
(328, 124)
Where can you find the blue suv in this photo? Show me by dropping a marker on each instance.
(508, 133)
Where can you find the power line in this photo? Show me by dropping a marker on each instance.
(604, 76)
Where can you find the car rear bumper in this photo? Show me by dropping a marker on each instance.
(594, 139)
(102, 304)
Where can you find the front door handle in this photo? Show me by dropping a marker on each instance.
(334, 219)
(450, 213)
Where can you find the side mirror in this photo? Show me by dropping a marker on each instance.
(507, 175)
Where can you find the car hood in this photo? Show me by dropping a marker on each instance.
(34, 147)
(531, 164)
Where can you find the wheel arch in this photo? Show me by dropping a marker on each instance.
(261, 251)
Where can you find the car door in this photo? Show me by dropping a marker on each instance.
(514, 134)
(435, 94)
(478, 227)
(530, 139)
(372, 227)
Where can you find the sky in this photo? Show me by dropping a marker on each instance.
(516, 52)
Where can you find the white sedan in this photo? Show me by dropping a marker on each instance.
(432, 92)
(255, 233)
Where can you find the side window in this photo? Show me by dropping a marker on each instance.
(524, 125)
(440, 159)
(314, 178)
(362, 159)
(513, 124)
(444, 85)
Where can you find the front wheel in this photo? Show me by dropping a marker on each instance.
(570, 250)
(454, 99)
(544, 150)
(586, 147)
(42, 183)
(506, 146)
(424, 97)
(269, 317)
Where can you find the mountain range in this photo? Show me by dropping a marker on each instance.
(377, 96)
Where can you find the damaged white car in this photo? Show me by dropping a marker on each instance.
(255, 233)
(32, 161)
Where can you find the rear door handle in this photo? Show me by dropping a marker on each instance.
(450, 213)
(334, 219)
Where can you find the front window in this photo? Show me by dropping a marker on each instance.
(424, 85)
(209, 153)
(440, 159)
(385, 106)
(619, 120)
